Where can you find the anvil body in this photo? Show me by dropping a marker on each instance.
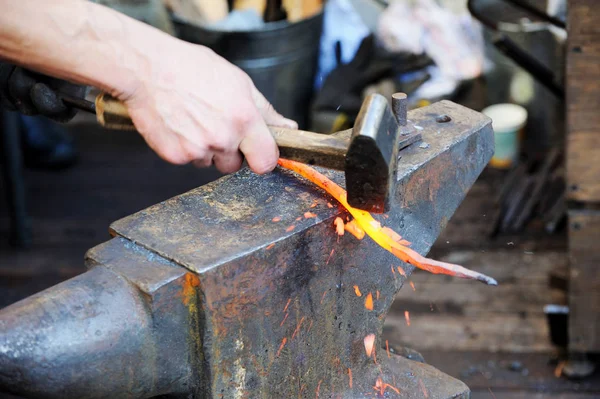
(228, 291)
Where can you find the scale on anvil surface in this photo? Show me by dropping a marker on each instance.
(204, 296)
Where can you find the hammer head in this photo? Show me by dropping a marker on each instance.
(372, 157)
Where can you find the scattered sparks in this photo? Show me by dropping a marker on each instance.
(353, 228)
(402, 272)
(299, 218)
(298, 327)
(381, 386)
(284, 319)
(283, 341)
(292, 227)
(379, 235)
(330, 255)
(407, 317)
(276, 219)
(369, 342)
(329, 205)
(559, 368)
(357, 291)
(387, 348)
(318, 387)
(412, 285)
(309, 215)
(314, 204)
(270, 246)
(287, 305)
(369, 301)
(393, 271)
(423, 389)
(339, 226)
(350, 377)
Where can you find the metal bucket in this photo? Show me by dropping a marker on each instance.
(281, 59)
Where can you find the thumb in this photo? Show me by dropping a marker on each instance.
(268, 113)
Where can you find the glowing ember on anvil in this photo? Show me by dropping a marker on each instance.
(384, 236)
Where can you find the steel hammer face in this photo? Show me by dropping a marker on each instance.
(372, 157)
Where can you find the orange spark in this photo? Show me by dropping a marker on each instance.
(381, 386)
(283, 341)
(276, 219)
(270, 246)
(329, 205)
(369, 342)
(330, 255)
(412, 285)
(407, 317)
(380, 235)
(284, 319)
(423, 389)
(402, 272)
(393, 271)
(377, 294)
(287, 305)
(310, 326)
(298, 327)
(314, 204)
(357, 291)
(323, 296)
(339, 226)
(318, 387)
(350, 377)
(369, 301)
(309, 215)
(353, 228)
(292, 227)
(299, 218)
(559, 369)
(387, 348)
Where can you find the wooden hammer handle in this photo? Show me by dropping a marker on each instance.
(298, 145)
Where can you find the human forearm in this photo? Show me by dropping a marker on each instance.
(79, 41)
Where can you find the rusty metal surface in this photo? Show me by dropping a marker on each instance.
(228, 302)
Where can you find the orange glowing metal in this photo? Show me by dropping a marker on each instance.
(276, 219)
(381, 386)
(387, 348)
(379, 234)
(339, 226)
(407, 317)
(350, 378)
(369, 342)
(283, 341)
(369, 301)
(353, 228)
(309, 215)
(357, 291)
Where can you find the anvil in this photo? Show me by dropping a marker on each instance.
(227, 291)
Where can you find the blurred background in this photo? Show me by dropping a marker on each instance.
(532, 219)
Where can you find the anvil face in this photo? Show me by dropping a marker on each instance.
(237, 295)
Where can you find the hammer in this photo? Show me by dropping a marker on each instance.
(367, 153)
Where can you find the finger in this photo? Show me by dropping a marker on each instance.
(258, 146)
(204, 162)
(228, 162)
(268, 113)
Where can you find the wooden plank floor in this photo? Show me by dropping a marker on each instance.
(466, 329)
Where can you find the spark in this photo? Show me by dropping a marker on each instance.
(283, 341)
(339, 226)
(393, 271)
(377, 294)
(284, 319)
(369, 301)
(270, 246)
(323, 296)
(276, 219)
(298, 327)
(559, 369)
(330, 255)
(329, 205)
(287, 305)
(310, 326)
(309, 215)
(314, 204)
(423, 389)
(379, 235)
(350, 377)
(299, 218)
(412, 285)
(491, 393)
(357, 291)
(381, 386)
(407, 317)
(387, 348)
(402, 272)
(318, 388)
(292, 227)
(369, 341)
